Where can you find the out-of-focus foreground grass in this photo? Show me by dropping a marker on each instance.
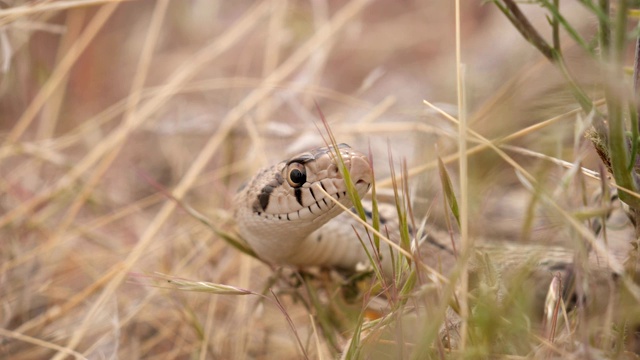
(107, 106)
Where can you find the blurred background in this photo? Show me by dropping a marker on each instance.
(106, 107)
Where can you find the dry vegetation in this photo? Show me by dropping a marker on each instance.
(107, 108)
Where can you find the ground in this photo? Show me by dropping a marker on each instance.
(117, 116)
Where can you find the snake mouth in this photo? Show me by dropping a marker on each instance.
(323, 206)
(362, 186)
(316, 211)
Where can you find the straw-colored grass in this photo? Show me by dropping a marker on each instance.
(127, 126)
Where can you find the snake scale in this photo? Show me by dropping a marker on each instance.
(287, 220)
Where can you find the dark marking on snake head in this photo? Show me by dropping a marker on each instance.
(322, 186)
(312, 194)
(275, 182)
(264, 196)
(279, 178)
(298, 193)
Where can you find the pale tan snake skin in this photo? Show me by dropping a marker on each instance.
(285, 219)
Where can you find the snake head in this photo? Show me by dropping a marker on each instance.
(285, 203)
(293, 191)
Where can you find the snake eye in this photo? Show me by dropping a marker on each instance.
(297, 175)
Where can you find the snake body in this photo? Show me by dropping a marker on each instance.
(285, 218)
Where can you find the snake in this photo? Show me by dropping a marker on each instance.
(284, 214)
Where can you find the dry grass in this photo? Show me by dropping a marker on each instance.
(117, 116)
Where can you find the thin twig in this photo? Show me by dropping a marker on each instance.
(522, 24)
